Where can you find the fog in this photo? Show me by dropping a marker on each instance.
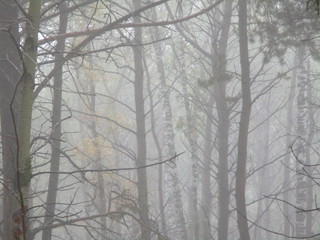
(159, 120)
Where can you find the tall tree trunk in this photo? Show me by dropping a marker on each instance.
(263, 176)
(161, 70)
(141, 132)
(23, 164)
(302, 124)
(174, 210)
(241, 172)
(190, 134)
(102, 204)
(159, 150)
(56, 126)
(310, 183)
(287, 161)
(191, 137)
(219, 63)
(10, 73)
(206, 169)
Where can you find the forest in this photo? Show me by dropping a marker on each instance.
(159, 119)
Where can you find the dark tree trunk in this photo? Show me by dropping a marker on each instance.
(220, 62)
(141, 132)
(56, 126)
(241, 172)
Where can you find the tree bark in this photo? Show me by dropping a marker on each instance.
(23, 163)
(302, 124)
(174, 212)
(241, 172)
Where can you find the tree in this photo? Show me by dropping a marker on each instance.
(141, 132)
(11, 72)
(241, 172)
(23, 124)
(98, 97)
(56, 125)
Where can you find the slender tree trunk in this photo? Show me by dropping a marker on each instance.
(263, 212)
(302, 124)
(220, 82)
(287, 160)
(56, 126)
(159, 150)
(195, 175)
(206, 169)
(241, 172)
(174, 210)
(102, 206)
(160, 67)
(310, 183)
(191, 137)
(192, 141)
(141, 132)
(10, 73)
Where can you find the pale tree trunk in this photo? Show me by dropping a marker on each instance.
(263, 188)
(161, 70)
(191, 136)
(141, 132)
(287, 158)
(300, 151)
(23, 163)
(266, 173)
(56, 126)
(163, 228)
(10, 73)
(310, 183)
(174, 215)
(241, 172)
(102, 204)
(206, 196)
(192, 141)
(174, 210)
(85, 186)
